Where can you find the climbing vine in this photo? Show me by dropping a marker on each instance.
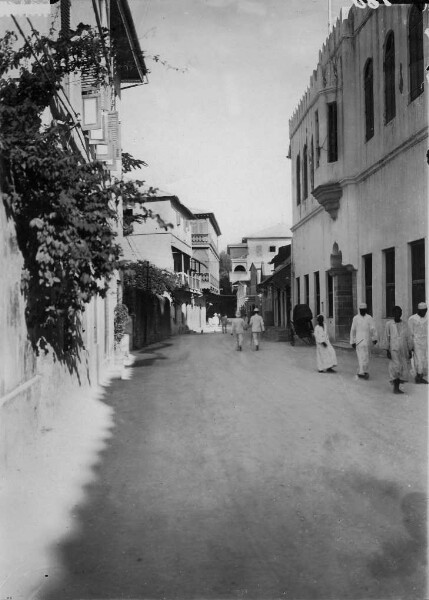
(63, 201)
(146, 277)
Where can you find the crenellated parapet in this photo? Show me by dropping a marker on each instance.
(328, 73)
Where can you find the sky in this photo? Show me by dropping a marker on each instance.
(212, 123)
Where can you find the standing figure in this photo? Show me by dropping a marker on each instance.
(238, 328)
(363, 331)
(224, 321)
(325, 353)
(257, 325)
(398, 350)
(418, 326)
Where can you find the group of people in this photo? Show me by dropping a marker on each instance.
(405, 344)
(239, 326)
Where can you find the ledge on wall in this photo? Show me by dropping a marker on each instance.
(328, 195)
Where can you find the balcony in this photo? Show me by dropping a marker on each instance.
(190, 281)
(203, 239)
(237, 276)
(209, 281)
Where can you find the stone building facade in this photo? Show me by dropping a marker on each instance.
(358, 142)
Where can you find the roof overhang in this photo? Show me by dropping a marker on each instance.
(129, 56)
(212, 219)
(175, 202)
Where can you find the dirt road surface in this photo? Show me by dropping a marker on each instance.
(250, 475)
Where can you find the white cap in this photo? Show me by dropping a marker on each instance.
(256, 310)
(362, 305)
(421, 305)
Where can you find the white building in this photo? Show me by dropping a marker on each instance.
(254, 254)
(358, 144)
(168, 247)
(205, 245)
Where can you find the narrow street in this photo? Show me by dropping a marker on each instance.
(251, 475)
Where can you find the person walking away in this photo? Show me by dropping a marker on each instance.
(224, 322)
(325, 353)
(362, 332)
(257, 326)
(238, 329)
(418, 328)
(398, 349)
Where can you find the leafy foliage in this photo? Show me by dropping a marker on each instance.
(63, 202)
(120, 322)
(129, 162)
(146, 277)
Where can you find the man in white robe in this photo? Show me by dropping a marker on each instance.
(238, 328)
(362, 333)
(257, 326)
(418, 326)
(325, 353)
(398, 350)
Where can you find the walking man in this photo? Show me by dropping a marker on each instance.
(362, 333)
(257, 325)
(418, 326)
(224, 321)
(238, 328)
(398, 350)
(325, 353)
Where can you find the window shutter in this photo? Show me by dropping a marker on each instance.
(91, 100)
(113, 134)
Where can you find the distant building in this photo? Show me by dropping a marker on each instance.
(358, 143)
(167, 247)
(168, 244)
(276, 290)
(251, 262)
(205, 234)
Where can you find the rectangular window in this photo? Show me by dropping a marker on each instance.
(389, 278)
(307, 289)
(367, 268)
(418, 278)
(316, 128)
(332, 132)
(304, 173)
(272, 248)
(298, 291)
(298, 180)
(317, 292)
(330, 287)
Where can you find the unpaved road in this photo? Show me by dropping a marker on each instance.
(250, 475)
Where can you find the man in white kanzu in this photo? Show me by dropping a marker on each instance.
(325, 353)
(418, 327)
(238, 328)
(362, 333)
(257, 326)
(398, 349)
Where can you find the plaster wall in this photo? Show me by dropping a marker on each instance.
(259, 251)
(383, 180)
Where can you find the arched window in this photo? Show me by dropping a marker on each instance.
(369, 99)
(389, 78)
(304, 173)
(298, 179)
(239, 268)
(415, 47)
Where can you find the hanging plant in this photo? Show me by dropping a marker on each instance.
(62, 201)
